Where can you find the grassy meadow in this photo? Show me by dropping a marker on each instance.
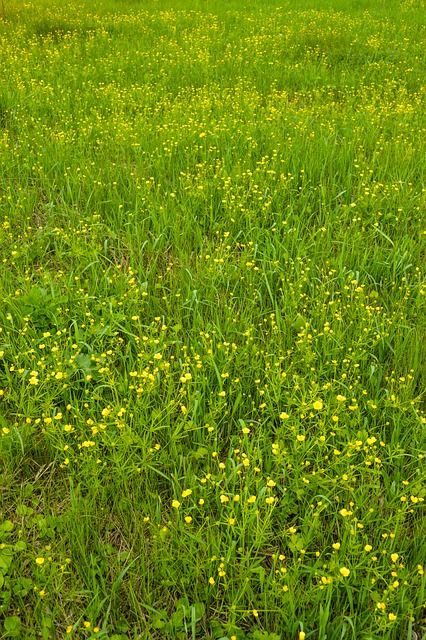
(213, 320)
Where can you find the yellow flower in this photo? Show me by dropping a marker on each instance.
(318, 405)
(224, 499)
(186, 493)
(188, 519)
(394, 557)
(340, 398)
(212, 581)
(251, 499)
(344, 512)
(345, 572)
(336, 546)
(176, 504)
(368, 547)
(39, 560)
(392, 617)
(69, 628)
(284, 416)
(300, 437)
(302, 635)
(255, 613)
(381, 605)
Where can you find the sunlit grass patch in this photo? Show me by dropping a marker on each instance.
(212, 321)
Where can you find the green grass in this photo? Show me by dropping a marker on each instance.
(212, 320)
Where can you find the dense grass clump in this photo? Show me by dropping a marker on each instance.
(212, 320)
